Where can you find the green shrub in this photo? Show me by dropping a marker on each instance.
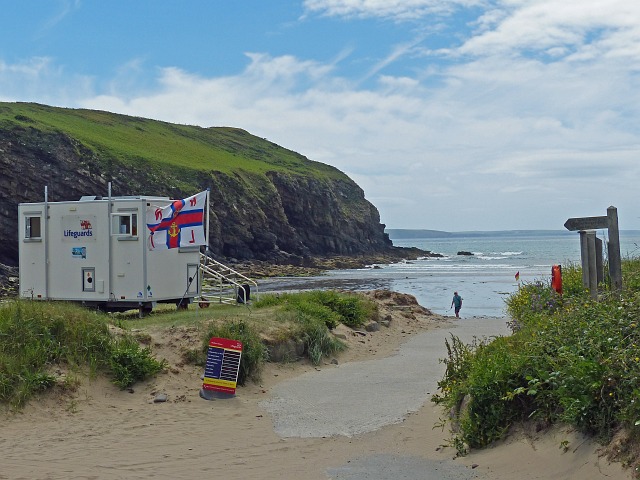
(130, 363)
(270, 300)
(572, 282)
(316, 312)
(329, 306)
(36, 335)
(631, 274)
(572, 359)
(483, 371)
(319, 343)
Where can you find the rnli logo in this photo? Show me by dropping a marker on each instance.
(174, 230)
(86, 230)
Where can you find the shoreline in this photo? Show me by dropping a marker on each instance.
(103, 432)
(316, 265)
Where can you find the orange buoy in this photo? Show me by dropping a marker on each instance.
(556, 278)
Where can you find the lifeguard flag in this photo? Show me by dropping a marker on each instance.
(179, 224)
(517, 276)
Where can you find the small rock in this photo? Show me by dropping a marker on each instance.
(334, 361)
(372, 327)
(161, 398)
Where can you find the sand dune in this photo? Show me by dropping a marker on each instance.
(104, 433)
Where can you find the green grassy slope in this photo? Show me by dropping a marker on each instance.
(131, 139)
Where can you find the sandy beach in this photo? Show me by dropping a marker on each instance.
(101, 432)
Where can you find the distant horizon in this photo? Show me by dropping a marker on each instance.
(413, 233)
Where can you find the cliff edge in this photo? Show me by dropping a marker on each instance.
(267, 203)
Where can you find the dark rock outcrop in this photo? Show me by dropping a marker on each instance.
(279, 216)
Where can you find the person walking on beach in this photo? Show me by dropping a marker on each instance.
(457, 302)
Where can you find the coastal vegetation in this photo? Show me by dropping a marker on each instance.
(571, 360)
(300, 321)
(38, 338)
(53, 344)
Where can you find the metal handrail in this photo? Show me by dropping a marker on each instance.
(221, 278)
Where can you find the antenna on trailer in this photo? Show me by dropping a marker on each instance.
(109, 253)
(206, 250)
(46, 242)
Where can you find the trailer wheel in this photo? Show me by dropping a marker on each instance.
(182, 304)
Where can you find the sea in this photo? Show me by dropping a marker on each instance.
(483, 279)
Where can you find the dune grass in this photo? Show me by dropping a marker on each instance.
(305, 317)
(38, 339)
(570, 360)
(315, 313)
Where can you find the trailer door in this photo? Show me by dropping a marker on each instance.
(193, 279)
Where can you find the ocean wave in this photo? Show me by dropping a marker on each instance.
(495, 255)
(432, 267)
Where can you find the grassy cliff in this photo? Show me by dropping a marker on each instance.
(267, 202)
(130, 140)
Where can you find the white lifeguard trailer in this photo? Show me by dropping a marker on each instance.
(95, 251)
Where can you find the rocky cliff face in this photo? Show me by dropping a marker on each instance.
(280, 217)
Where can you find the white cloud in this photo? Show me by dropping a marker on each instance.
(532, 119)
(587, 28)
(395, 9)
(42, 80)
(493, 129)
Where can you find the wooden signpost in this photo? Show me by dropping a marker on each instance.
(591, 249)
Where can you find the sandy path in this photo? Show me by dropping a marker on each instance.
(362, 397)
(104, 433)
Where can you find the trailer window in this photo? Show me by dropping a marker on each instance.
(124, 224)
(32, 227)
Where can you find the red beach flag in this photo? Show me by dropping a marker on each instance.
(518, 276)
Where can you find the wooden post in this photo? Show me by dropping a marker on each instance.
(584, 258)
(599, 261)
(592, 262)
(591, 258)
(615, 262)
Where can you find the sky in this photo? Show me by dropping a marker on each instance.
(451, 115)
